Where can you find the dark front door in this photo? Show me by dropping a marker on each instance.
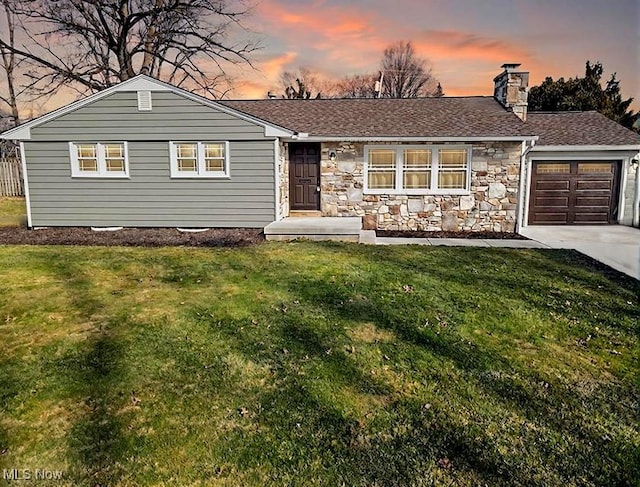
(573, 192)
(304, 176)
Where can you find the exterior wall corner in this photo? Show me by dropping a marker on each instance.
(282, 166)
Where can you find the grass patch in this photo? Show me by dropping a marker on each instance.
(13, 212)
(318, 364)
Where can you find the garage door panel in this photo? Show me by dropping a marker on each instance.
(593, 201)
(550, 201)
(546, 185)
(573, 192)
(548, 218)
(602, 185)
(595, 217)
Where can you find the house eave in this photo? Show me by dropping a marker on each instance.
(18, 133)
(347, 138)
(584, 148)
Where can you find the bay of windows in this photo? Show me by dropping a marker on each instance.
(417, 169)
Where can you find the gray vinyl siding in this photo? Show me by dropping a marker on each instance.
(149, 197)
(116, 117)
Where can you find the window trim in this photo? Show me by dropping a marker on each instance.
(201, 172)
(101, 160)
(435, 169)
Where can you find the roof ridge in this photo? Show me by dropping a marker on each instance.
(560, 112)
(298, 100)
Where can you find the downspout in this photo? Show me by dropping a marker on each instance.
(522, 197)
(636, 193)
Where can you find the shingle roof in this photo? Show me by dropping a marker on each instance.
(415, 117)
(578, 128)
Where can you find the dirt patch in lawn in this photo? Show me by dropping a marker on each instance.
(134, 237)
(474, 235)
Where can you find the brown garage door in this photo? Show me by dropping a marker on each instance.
(573, 192)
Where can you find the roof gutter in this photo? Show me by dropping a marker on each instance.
(346, 138)
(574, 148)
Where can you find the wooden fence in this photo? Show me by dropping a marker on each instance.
(11, 182)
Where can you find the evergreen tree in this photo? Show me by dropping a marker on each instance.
(586, 93)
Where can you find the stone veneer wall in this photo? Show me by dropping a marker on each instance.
(512, 91)
(490, 205)
(629, 193)
(283, 170)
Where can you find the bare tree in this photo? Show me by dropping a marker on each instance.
(93, 44)
(358, 86)
(304, 84)
(297, 84)
(9, 65)
(405, 74)
(298, 91)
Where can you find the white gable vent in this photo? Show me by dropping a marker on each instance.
(144, 101)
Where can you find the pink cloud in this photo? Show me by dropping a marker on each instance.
(343, 34)
(337, 40)
(325, 21)
(344, 40)
(249, 89)
(466, 45)
(274, 66)
(465, 63)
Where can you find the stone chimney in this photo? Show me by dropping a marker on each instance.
(511, 89)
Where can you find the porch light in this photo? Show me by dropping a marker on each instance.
(332, 156)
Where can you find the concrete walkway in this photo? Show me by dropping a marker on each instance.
(614, 245)
(369, 237)
(315, 228)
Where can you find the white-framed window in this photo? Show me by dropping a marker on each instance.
(199, 159)
(99, 159)
(382, 169)
(452, 168)
(417, 169)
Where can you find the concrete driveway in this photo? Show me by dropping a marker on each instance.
(615, 245)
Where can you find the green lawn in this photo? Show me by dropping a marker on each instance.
(318, 364)
(13, 212)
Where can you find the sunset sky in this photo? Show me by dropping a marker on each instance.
(465, 41)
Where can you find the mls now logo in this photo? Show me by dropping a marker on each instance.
(29, 474)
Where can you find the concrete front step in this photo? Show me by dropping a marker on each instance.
(304, 214)
(315, 228)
